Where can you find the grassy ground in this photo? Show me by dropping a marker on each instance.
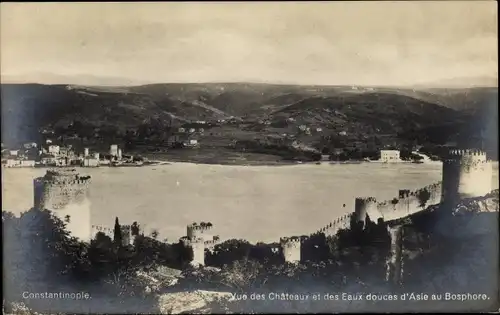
(216, 156)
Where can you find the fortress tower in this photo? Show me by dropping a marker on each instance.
(291, 247)
(66, 194)
(197, 245)
(362, 207)
(199, 230)
(466, 174)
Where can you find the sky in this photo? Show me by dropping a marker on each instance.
(326, 43)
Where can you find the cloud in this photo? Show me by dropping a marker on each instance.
(298, 42)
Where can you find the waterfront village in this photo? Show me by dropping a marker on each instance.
(49, 154)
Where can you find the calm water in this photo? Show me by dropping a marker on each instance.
(254, 203)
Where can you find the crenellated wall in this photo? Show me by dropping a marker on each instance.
(291, 249)
(126, 233)
(105, 230)
(211, 243)
(410, 202)
(66, 194)
(343, 222)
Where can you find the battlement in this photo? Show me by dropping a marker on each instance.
(466, 157)
(366, 199)
(203, 226)
(211, 243)
(403, 193)
(103, 229)
(340, 223)
(290, 241)
(200, 230)
(467, 152)
(63, 177)
(64, 182)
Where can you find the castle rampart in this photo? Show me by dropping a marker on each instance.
(343, 222)
(291, 249)
(66, 194)
(125, 230)
(102, 229)
(410, 202)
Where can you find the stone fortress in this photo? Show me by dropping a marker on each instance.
(198, 238)
(66, 194)
(466, 174)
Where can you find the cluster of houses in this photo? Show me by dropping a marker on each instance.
(187, 137)
(53, 155)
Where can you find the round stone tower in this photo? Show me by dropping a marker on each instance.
(362, 207)
(290, 247)
(66, 194)
(466, 174)
(197, 246)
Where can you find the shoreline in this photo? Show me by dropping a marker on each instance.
(162, 162)
(251, 164)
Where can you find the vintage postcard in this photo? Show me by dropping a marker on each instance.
(249, 157)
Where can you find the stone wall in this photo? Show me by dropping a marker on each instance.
(341, 223)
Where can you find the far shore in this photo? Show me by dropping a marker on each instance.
(156, 163)
(249, 163)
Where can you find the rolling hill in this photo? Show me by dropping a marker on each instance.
(362, 112)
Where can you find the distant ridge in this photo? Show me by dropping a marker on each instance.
(89, 80)
(464, 82)
(80, 79)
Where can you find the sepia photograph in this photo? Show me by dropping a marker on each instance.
(249, 157)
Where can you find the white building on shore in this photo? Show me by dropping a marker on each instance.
(390, 156)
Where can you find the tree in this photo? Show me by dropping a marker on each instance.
(155, 234)
(117, 237)
(135, 229)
